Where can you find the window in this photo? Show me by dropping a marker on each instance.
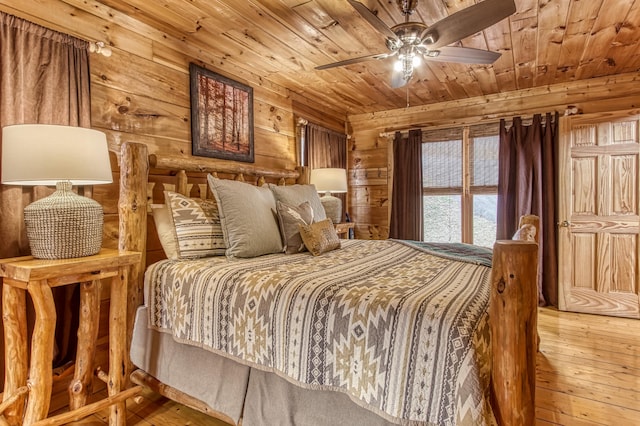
(460, 184)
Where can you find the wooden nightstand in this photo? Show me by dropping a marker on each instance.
(37, 277)
(342, 228)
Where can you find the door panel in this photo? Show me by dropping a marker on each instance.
(598, 210)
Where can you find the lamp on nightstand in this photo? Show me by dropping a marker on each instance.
(328, 181)
(64, 224)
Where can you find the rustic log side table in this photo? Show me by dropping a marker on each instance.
(37, 277)
(342, 229)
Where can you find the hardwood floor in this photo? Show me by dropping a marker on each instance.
(588, 370)
(588, 374)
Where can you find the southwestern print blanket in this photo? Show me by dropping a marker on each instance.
(401, 330)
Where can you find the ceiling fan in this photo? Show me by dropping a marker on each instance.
(411, 41)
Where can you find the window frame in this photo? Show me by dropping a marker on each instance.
(466, 134)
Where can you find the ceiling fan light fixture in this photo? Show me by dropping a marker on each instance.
(412, 41)
(430, 38)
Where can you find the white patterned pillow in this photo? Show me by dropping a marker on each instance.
(197, 226)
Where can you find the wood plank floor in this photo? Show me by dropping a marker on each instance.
(588, 374)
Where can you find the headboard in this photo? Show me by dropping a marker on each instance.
(143, 180)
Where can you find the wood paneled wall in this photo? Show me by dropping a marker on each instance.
(141, 92)
(372, 133)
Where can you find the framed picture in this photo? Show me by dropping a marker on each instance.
(221, 116)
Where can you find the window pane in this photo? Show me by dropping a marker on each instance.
(484, 161)
(484, 219)
(441, 215)
(442, 164)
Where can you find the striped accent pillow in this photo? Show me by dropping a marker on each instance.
(197, 226)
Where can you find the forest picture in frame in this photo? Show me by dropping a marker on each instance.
(221, 116)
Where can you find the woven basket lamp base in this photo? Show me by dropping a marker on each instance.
(332, 207)
(64, 225)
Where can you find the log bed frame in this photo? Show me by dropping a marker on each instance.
(513, 304)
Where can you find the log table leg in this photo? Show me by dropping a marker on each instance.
(14, 317)
(37, 277)
(117, 345)
(40, 380)
(80, 387)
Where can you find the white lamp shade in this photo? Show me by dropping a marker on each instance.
(42, 154)
(329, 180)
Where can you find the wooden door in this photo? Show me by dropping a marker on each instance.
(598, 247)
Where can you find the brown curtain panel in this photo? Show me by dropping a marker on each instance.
(526, 185)
(326, 148)
(406, 221)
(44, 79)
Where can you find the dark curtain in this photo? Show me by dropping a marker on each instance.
(44, 79)
(326, 148)
(406, 220)
(527, 185)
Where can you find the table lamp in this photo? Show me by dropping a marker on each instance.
(328, 181)
(63, 225)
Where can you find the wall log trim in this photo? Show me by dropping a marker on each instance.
(593, 95)
(210, 165)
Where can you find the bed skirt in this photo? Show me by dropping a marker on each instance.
(237, 391)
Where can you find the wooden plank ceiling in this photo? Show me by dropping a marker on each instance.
(544, 42)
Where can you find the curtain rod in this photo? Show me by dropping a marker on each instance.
(100, 47)
(527, 120)
(303, 122)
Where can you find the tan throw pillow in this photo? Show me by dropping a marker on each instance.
(197, 226)
(289, 218)
(248, 215)
(320, 237)
(164, 228)
(294, 195)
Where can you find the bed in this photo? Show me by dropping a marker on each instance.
(373, 332)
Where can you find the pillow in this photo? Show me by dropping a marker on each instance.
(197, 226)
(320, 237)
(248, 216)
(289, 217)
(294, 195)
(164, 228)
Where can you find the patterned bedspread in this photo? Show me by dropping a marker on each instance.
(404, 332)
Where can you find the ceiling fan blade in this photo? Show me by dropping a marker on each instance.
(397, 79)
(464, 55)
(467, 22)
(354, 60)
(376, 22)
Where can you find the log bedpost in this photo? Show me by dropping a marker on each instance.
(305, 174)
(132, 209)
(513, 315)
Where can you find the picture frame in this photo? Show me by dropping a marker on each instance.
(221, 116)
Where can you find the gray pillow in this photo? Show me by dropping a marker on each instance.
(247, 213)
(294, 195)
(289, 218)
